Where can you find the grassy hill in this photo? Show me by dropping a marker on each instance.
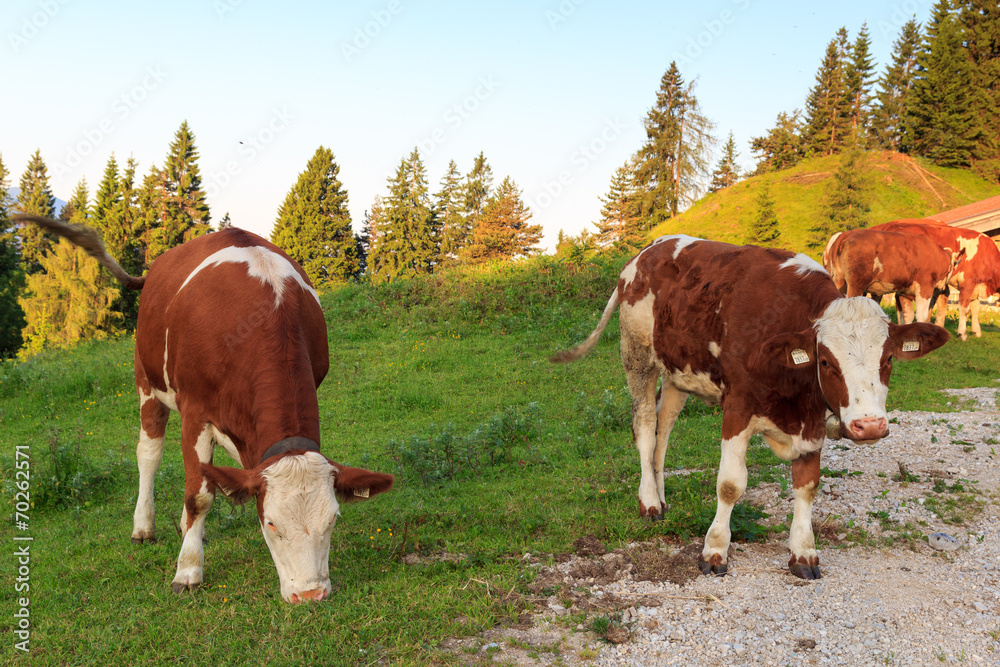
(903, 187)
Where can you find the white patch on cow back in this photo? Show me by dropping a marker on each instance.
(714, 349)
(971, 246)
(266, 265)
(877, 266)
(628, 273)
(802, 264)
(683, 241)
(302, 506)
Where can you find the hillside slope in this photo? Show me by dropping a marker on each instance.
(903, 187)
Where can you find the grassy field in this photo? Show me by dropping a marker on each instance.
(442, 381)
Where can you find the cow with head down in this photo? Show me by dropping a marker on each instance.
(767, 335)
(231, 335)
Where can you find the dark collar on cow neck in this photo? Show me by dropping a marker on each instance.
(289, 444)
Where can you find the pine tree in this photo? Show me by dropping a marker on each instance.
(674, 160)
(35, 197)
(77, 209)
(153, 236)
(858, 78)
(225, 223)
(314, 224)
(503, 231)
(11, 276)
(68, 302)
(449, 210)
(478, 185)
(941, 116)
(782, 147)
(895, 89)
(847, 200)
(620, 225)
(186, 213)
(409, 246)
(980, 21)
(371, 237)
(763, 228)
(828, 104)
(728, 170)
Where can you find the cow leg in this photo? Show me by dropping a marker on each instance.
(196, 440)
(964, 300)
(922, 309)
(153, 416)
(642, 374)
(941, 308)
(804, 562)
(974, 311)
(670, 404)
(904, 308)
(729, 486)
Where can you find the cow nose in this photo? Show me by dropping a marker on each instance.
(869, 428)
(315, 594)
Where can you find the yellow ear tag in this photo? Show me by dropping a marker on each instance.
(911, 345)
(800, 357)
(361, 493)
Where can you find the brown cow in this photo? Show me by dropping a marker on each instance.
(872, 261)
(231, 335)
(766, 334)
(977, 273)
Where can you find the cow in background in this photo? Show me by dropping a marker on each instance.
(231, 335)
(767, 335)
(976, 275)
(876, 262)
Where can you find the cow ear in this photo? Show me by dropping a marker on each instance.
(359, 484)
(238, 484)
(910, 341)
(788, 350)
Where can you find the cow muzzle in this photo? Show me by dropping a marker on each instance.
(315, 595)
(865, 431)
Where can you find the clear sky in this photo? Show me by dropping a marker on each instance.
(553, 92)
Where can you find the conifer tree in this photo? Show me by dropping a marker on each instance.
(620, 225)
(478, 186)
(314, 224)
(449, 207)
(225, 223)
(77, 209)
(763, 227)
(153, 236)
(186, 213)
(409, 246)
(35, 197)
(68, 302)
(895, 88)
(859, 71)
(980, 21)
(371, 237)
(11, 275)
(503, 231)
(782, 147)
(828, 104)
(728, 170)
(674, 159)
(942, 117)
(847, 199)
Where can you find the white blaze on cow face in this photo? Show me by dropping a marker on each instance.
(299, 511)
(850, 339)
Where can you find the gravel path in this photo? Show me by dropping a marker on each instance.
(904, 604)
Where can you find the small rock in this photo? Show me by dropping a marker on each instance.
(617, 635)
(980, 607)
(943, 542)
(953, 470)
(558, 609)
(489, 646)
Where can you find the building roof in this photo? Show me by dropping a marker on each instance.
(982, 216)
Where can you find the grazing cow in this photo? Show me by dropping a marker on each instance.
(870, 261)
(231, 335)
(766, 334)
(976, 275)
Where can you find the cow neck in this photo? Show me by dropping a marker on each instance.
(287, 445)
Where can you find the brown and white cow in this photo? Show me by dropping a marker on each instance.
(231, 335)
(976, 275)
(766, 334)
(876, 262)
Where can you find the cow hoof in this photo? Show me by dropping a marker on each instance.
(719, 569)
(809, 572)
(144, 540)
(180, 588)
(653, 513)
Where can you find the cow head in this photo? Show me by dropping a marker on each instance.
(852, 347)
(297, 505)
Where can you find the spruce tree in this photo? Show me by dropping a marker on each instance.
(980, 21)
(478, 186)
(503, 231)
(77, 209)
(727, 172)
(620, 225)
(941, 118)
(11, 276)
(763, 227)
(71, 300)
(895, 89)
(449, 209)
(410, 245)
(186, 213)
(858, 78)
(153, 236)
(371, 237)
(847, 200)
(828, 104)
(314, 224)
(225, 223)
(35, 197)
(782, 147)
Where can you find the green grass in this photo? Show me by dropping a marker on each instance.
(454, 365)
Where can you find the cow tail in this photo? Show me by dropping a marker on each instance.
(586, 346)
(88, 239)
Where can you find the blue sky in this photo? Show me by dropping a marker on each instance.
(553, 92)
